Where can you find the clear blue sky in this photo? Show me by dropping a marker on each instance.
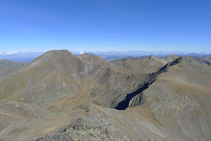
(105, 25)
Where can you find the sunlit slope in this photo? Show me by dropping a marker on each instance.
(47, 79)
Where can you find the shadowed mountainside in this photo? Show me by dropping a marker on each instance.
(59, 96)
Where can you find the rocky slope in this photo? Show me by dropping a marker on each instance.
(62, 97)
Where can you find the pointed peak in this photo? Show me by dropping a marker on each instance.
(152, 57)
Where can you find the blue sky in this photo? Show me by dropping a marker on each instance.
(105, 25)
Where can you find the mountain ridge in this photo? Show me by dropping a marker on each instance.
(60, 96)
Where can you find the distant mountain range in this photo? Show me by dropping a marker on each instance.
(29, 56)
(20, 56)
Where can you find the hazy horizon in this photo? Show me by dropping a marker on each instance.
(102, 51)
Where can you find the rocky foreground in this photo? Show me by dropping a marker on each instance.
(59, 96)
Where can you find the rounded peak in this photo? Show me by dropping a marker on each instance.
(171, 58)
(58, 52)
(85, 55)
(91, 58)
(52, 56)
(173, 55)
(152, 57)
